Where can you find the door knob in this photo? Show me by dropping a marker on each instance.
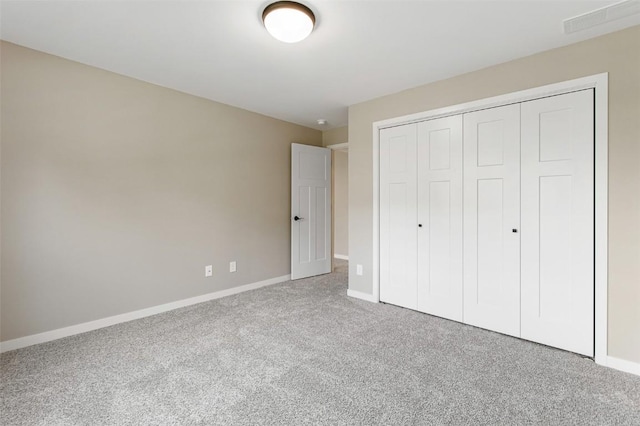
(296, 218)
(419, 225)
(514, 230)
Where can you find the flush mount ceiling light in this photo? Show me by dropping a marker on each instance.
(288, 21)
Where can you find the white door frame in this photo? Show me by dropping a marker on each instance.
(599, 82)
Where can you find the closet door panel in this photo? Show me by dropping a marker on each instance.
(557, 221)
(440, 217)
(491, 214)
(398, 217)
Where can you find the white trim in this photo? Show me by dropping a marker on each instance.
(590, 82)
(622, 365)
(339, 147)
(599, 82)
(601, 202)
(48, 336)
(341, 256)
(362, 296)
(375, 270)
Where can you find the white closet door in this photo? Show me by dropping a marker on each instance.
(398, 221)
(557, 221)
(440, 217)
(491, 214)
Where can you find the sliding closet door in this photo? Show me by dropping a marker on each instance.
(557, 221)
(440, 217)
(398, 218)
(492, 219)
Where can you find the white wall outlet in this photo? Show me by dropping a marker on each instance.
(208, 271)
(232, 266)
(358, 269)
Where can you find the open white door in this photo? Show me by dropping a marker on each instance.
(310, 211)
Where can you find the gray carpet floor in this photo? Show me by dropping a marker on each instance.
(304, 353)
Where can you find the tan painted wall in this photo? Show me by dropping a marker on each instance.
(341, 203)
(116, 193)
(335, 136)
(340, 185)
(617, 53)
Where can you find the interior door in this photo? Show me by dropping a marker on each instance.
(398, 217)
(492, 219)
(310, 211)
(558, 221)
(440, 217)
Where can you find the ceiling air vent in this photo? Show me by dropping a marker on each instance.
(600, 16)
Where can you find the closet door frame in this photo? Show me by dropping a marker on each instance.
(598, 82)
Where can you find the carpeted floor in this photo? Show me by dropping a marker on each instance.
(304, 353)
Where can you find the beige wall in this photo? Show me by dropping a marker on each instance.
(616, 53)
(116, 194)
(340, 182)
(340, 203)
(335, 136)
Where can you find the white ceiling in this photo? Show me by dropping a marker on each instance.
(360, 49)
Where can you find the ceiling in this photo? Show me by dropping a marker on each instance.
(360, 49)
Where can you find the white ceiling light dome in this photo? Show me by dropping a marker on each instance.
(288, 21)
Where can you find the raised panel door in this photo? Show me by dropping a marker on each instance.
(398, 197)
(558, 221)
(492, 219)
(440, 217)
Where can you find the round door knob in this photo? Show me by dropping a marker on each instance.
(419, 225)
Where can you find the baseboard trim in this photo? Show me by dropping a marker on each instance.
(59, 333)
(359, 295)
(341, 256)
(623, 365)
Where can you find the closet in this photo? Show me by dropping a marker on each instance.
(487, 218)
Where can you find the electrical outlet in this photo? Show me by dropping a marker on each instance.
(208, 271)
(358, 269)
(232, 266)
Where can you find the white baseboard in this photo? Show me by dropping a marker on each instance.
(341, 256)
(48, 336)
(359, 295)
(34, 339)
(622, 365)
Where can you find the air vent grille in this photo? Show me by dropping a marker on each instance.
(600, 16)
